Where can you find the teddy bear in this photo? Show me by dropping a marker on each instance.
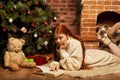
(14, 57)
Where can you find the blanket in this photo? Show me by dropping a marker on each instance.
(97, 71)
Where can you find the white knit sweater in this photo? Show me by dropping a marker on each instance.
(97, 58)
(71, 58)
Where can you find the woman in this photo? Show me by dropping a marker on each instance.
(69, 53)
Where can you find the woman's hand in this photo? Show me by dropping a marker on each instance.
(64, 46)
(54, 67)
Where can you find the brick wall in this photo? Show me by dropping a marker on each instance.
(91, 11)
(66, 10)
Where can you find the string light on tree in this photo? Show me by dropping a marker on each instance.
(44, 1)
(54, 18)
(15, 7)
(35, 35)
(50, 32)
(45, 43)
(10, 20)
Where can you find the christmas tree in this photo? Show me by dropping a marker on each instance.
(28, 19)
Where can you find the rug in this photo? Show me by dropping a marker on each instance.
(83, 73)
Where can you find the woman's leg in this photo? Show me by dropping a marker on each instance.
(114, 48)
(103, 37)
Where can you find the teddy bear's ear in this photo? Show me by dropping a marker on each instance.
(23, 41)
(11, 39)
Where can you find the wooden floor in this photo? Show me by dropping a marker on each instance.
(27, 74)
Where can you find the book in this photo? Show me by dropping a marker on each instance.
(46, 70)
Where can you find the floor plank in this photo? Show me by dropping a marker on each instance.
(27, 74)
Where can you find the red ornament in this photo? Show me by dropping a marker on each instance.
(46, 23)
(45, 35)
(30, 57)
(40, 60)
(21, 11)
(1, 6)
(23, 29)
(29, 12)
(33, 25)
(36, 3)
(11, 9)
(4, 30)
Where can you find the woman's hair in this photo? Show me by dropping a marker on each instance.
(62, 29)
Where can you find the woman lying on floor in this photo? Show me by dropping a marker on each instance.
(69, 53)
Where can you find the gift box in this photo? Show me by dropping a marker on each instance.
(29, 58)
(40, 60)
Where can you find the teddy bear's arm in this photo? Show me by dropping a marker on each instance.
(23, 55)
(6, 59)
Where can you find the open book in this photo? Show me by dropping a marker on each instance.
(46, 70)
(82, 73)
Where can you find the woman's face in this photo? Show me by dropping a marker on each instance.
(60, 39)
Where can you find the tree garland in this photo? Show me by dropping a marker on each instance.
(36, 12)
(79, 7)
(28, 19)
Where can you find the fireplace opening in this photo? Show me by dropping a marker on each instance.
(109, 18)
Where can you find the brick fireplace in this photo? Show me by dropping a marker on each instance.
(96, 12)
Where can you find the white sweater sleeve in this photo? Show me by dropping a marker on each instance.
(71, 59)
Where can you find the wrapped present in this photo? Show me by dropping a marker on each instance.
(40, 60)
(29, 58)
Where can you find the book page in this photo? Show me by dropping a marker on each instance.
(46, 69)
